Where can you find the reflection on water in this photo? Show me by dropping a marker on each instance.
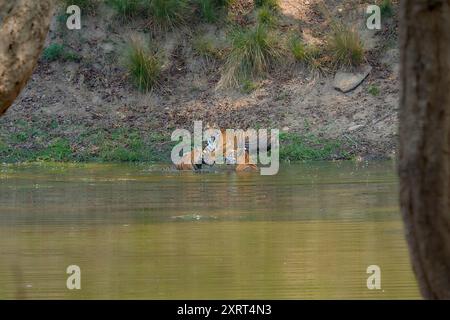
(150, 232)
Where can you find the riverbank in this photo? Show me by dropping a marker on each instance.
(81, 106)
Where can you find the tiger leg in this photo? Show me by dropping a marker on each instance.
(188, 163)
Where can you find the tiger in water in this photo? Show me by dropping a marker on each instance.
(233, 155)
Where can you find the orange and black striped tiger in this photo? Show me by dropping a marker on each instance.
(188, 161)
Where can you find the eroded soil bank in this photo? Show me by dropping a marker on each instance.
(83, 107)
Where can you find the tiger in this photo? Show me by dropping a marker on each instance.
(195, 160)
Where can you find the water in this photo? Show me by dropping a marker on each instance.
(142, 231)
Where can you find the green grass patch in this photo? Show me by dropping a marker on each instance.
(98, 145)
(143, 63)
(56, 51)
(373, 90)
(266, 16)
(248, 86)
(296, 147)
(125, 145)
(307, 54)
(253, 50)
(58, 150)
(206, 47)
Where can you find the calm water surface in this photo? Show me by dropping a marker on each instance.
(144, 231)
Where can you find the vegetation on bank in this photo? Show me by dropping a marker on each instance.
(91, 145)
(249, 52)
(144, 64)
(47, 143)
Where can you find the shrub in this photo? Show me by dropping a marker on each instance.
(346, 46)
(144, 64)
(252, 52)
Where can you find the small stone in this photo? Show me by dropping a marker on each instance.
(354, 128)
(347, 81)
(108, 47)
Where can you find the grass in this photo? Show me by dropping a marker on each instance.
(345, 46)
(304, 53)
(206, 48)
(130, 145)
(41, 141)
(266, 16)
(210, 9)
(125, 8)
(248, 86)
(253, 51)
(57, 51)
(58, 150)
(386, 8)
(373, 90)
(144, 64)
(167, 13)
(297, 147)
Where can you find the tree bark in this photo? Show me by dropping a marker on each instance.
(24, 25)
(424, 141)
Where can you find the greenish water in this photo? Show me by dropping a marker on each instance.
(142, 231)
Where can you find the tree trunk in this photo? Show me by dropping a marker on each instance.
(23, 28)
(424, 141)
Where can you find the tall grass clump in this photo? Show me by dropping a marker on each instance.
(125, 8)
(144, 64)
(266, 16)
(167, 13)
(207, 48)
(210, 9)
(345, 45)
(306, 54)
(252, 52)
